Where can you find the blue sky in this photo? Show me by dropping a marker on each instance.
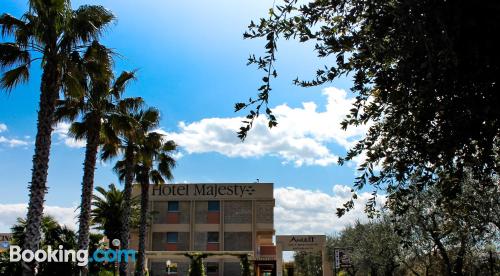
(191, 60)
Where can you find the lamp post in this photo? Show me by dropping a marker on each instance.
(168, 263)
(116, 243)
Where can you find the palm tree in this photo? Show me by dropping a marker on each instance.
(95, 106)
(54, 31)
(132, 125)
(108, 209)
(154, 165)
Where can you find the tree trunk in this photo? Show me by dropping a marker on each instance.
(139, 270)
(127, 197)
(459, 261)
(443, 253)
(88, 187)
(49, 93)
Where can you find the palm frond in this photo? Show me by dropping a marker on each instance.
(169, 146)
(78, 130)
(12, 78)
(119, 169)
(11, 54)
(121, 82)
(74, 80)
(10, 24)
(109, 151)
(88, 22)
(68, 109)
(150, 118)
(166, 165)
(73, 84)
(130, 104)
(156, 177)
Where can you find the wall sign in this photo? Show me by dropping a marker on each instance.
(342, 257)
(209, 191)
(301, 242)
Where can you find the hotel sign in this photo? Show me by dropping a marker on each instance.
(301, 242)
(211, 191)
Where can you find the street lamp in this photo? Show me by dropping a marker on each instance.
(168, 263)
(116, 243)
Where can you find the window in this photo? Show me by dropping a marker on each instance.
(172, 269)
(214, 206)
(173, 206)
(172, 237)
(212, 268)
(213, 237)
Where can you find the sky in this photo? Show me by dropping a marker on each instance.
(191, 61)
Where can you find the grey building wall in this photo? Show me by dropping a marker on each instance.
(237, 212)
(159, 212)
(159, 241)
(184, 212)
(264, 210)
(232, 269)
(238, 241)
(200, 241)
(183, 241)
(201, 211)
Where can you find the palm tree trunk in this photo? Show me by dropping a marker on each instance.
(88, 187)
(49, 93)
(139, 270)
(127, 197)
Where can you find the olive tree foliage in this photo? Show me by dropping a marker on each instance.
(459, 230)
(425, 75)
(307, 263)
(373, 248)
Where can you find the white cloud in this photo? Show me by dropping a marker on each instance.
(11, 142)
(300, 211)
(10, 212)
(61, 131)
(301, 138)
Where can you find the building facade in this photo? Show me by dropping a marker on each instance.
(224, 220)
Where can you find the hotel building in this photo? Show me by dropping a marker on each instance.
(224, 220)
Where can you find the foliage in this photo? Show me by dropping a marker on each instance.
(99, 96)
(307, 264)
(53, 235)
(458, 230)
(49, 30)
(107, 211)
(245, 266)
(196, 267)
(435, 243)
(425, 76)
